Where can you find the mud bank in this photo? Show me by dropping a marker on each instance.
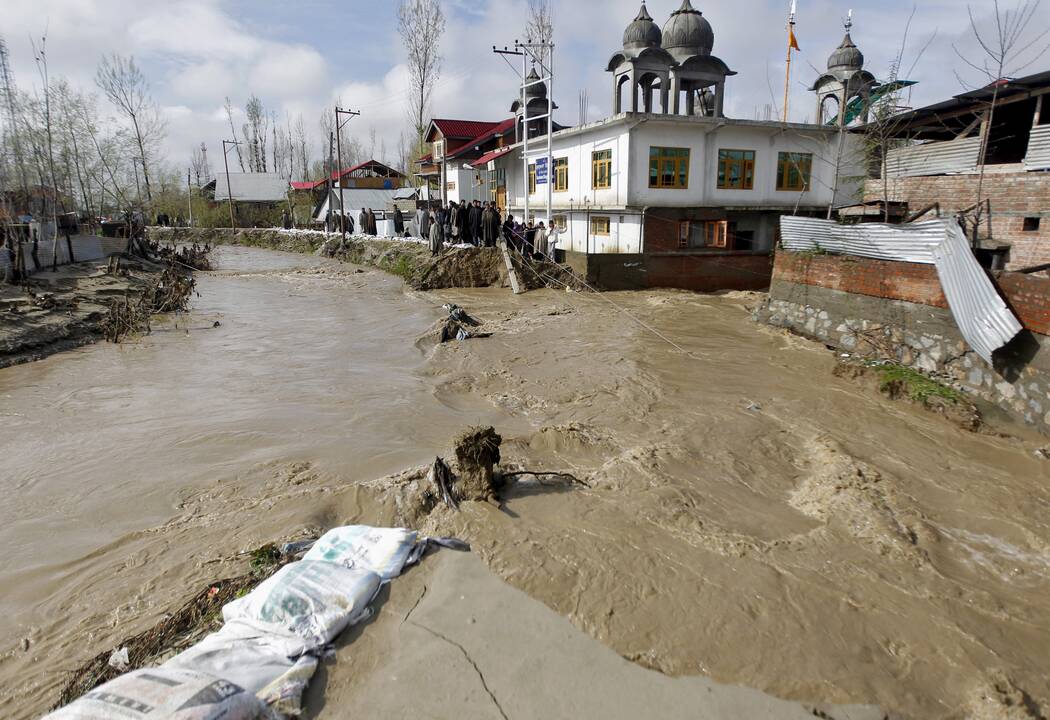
(409, 259)
(67, 308)
(745, 515)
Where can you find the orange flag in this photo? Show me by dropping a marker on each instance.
(792, 42)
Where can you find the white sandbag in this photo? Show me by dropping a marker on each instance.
(381, 550)
(165, 694)
(247, 656)
(312, 600)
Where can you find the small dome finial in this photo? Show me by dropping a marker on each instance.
(849, 21)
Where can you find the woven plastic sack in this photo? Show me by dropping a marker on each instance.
(165, 694)
(381, 550)
(276, 668)
(312, 600)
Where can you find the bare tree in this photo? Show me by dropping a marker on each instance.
(228, 107)
(540, 28)
(255, 134)
(1005, 49)
(421, 24)
(127, 88)
(199, 164)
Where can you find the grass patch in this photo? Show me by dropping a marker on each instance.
(402, 266)
(897, 379)
(814, 251)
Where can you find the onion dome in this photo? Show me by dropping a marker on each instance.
(642, 33)
(847, 57)
(688, 33)
(537, 91)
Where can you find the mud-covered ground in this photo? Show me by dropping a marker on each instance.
(64, 309)
(747, 514)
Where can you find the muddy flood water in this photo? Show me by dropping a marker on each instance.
(749, 516)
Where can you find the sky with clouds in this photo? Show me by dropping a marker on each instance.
(300, 56)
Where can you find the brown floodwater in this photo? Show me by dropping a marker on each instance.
(748, 516)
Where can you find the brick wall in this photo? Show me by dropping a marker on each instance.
(1013, 196)
(1027, 295)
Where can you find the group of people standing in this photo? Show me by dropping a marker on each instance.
(482, 225)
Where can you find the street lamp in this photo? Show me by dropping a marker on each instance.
(226, 163)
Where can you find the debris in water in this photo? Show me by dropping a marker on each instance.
(477, 452)
(118, 660)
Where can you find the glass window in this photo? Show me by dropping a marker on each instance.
(793, 171)
(561, 174)
(736, 169)
(599, 225)
(560, 222)
(669, 168)
(601, 169)
(703, 234)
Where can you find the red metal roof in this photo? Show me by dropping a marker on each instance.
(338, 175)
(463, 129)
(487, 157)
(489, 134)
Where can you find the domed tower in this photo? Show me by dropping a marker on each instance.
(536, 101)
(642, 64)
(689, 38)
(844, 91)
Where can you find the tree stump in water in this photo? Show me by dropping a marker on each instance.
(477, 452)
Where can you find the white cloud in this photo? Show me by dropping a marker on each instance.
(197, 52)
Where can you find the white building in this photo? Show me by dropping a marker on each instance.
(671, 192)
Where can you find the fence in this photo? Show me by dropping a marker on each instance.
(86, 248)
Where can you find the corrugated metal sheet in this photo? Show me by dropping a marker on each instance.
(983, 318)
(85, 248)
(252, 187)
(356, 198)
(1038, 157)
(934, 158)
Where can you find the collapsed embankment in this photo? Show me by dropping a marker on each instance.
(86, 302)
(457, 267)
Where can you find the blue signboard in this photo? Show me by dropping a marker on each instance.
(541, 171)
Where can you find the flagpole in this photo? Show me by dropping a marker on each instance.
(787, 71)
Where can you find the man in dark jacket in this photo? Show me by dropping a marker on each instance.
(475, 222)
(399, 222)
(491, 226)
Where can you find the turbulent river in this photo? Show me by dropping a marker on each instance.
(749, 516)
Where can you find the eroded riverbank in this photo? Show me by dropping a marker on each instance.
(749, 516)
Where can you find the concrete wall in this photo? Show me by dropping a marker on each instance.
(630, 138)
(897, 311)
(1013, 193)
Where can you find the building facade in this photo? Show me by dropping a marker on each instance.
(984, 155)
(671, 192)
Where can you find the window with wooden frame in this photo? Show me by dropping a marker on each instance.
(532, 178)
(736, 169)
(669, 168)
(703, 234)
(599, 225)
(560, 222)
(601, 169)
(561, 174)
(793, 171)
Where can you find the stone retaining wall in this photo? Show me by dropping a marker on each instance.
(896, 311)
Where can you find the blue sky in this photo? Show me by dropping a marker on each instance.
(301, 56)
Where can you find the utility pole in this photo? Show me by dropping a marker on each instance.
(226, 161)
(339, 122)
(189, 195)
(533, 51)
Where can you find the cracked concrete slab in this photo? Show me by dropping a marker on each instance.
(451, 640)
